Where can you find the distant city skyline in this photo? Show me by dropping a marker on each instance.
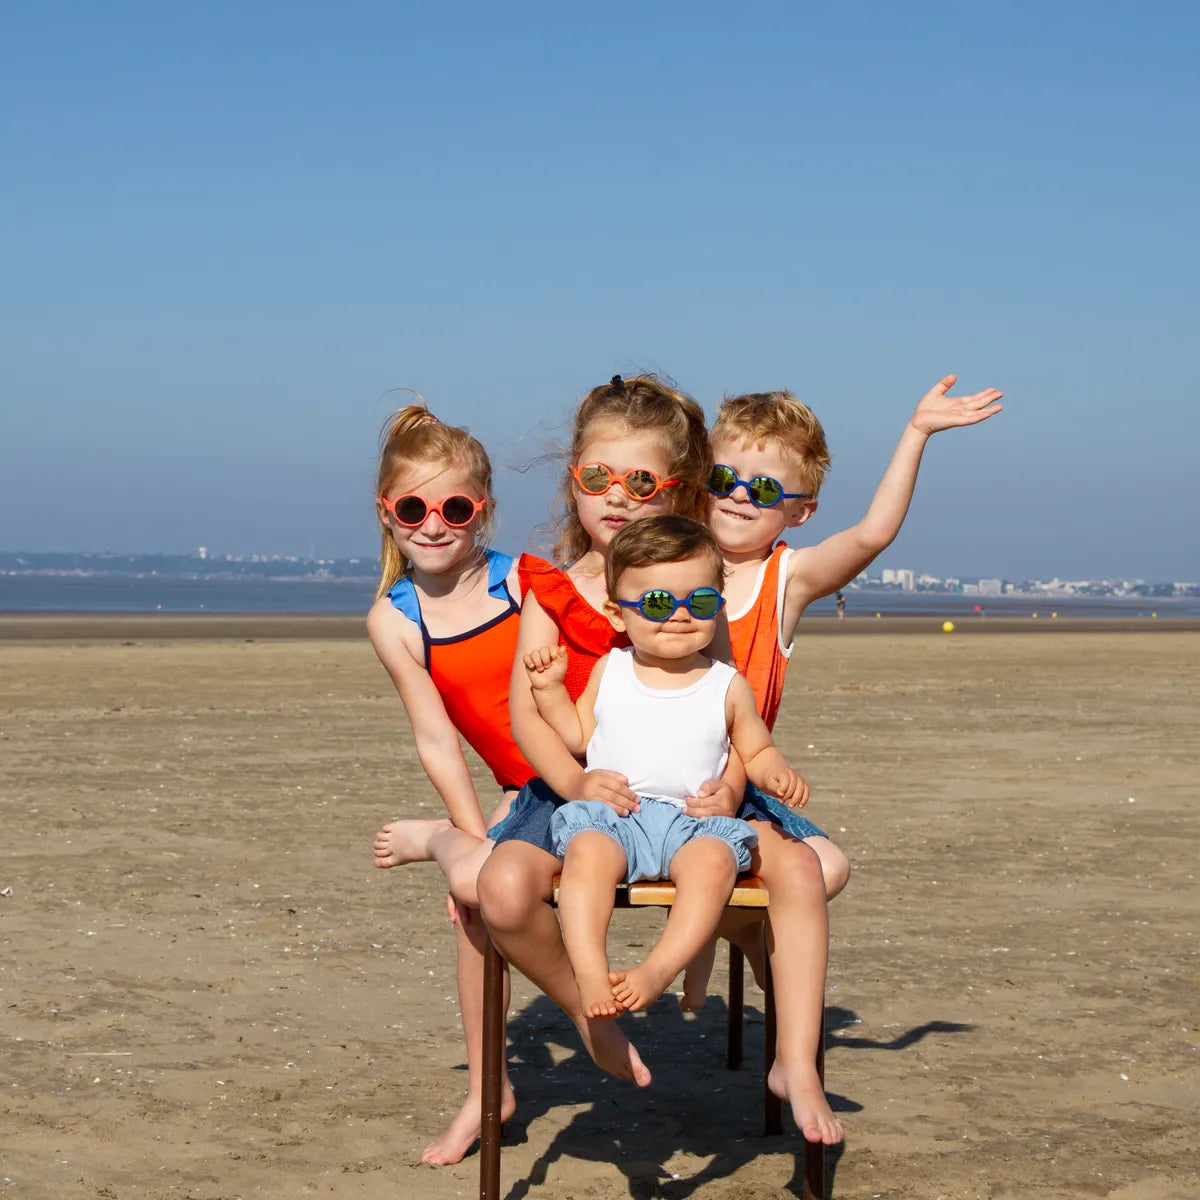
(907, 579)
(226, 237)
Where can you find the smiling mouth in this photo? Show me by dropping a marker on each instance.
(736, 513)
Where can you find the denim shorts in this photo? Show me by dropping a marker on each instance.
(758, 806)
(650, 837)
(528, 819)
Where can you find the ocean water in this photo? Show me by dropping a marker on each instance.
(133, 594)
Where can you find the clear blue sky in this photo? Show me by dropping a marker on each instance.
(228, 228)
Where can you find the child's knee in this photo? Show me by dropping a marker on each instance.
(506, 894)
(836, 869)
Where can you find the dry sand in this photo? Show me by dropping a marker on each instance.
(207, 991)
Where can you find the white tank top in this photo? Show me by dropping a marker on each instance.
(665, 742)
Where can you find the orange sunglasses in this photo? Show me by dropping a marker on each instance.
(639, 483)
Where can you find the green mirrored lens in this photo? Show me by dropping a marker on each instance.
(704, 603)
(765, 491)
(657, 606)
(722, 480)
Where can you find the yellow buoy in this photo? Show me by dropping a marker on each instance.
(1035, 616)
(877, 615)
(1054, 616)
(947, 626)
(1154, 616)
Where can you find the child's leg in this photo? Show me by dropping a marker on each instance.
(703, 871)
(515, 886)
(459, 854)
(592, 867)
(798, 946)
(742, 927)
(460, 1135)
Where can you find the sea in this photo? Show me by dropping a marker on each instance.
(145, 594)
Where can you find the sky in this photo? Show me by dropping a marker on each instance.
(228, 229)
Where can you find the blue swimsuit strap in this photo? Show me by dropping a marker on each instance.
(403, 594)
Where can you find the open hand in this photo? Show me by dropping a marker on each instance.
(609, 788)
(546, 666)
(786, 785)
(938, 411)
(713, 798)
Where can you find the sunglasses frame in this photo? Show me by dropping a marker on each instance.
(738, 482)
(391, 507)
(659, 484)
(676, 604)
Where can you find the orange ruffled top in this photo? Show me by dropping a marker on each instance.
(586, 633)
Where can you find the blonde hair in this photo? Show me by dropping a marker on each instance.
(647, 404)
(761, 417)
(413, 436)
(665, 538)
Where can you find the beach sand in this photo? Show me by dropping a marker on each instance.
(208, 992)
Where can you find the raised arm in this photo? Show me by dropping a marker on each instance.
(437, 741)
(546, 668)
(820, 570)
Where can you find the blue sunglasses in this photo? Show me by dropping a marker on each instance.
(763, 490)
(658, 605)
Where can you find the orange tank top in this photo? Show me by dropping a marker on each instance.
(586, 633)
(471, 672)
(755, 636)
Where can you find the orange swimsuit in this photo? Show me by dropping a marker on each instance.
(471, 672)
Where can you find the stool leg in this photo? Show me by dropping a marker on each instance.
(493, 1071)
(733, 1057)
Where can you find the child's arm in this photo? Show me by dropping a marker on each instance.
(437, 741)
(547, 668)
(765, 767)
(544, 750)
(820, 570)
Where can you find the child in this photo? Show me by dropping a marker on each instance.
(638, 447)
(665, 715)
(445, 625)
(770, 459)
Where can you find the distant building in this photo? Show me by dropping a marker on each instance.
(201, 551)
(990, 587)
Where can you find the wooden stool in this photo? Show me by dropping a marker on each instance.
(749, 892)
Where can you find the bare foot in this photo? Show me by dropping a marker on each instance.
(695, 979)
(401, 842)
(463, 1132)
(801, 1088)
(613, 1052)
(596, 996)
(640, 987)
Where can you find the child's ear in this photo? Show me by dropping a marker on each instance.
(803, 510)
(612, 611)
(380, 511)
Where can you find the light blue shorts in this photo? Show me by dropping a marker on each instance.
(650, 837)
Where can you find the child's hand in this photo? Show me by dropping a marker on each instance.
(609, 788)
(713, 798)
(546, 666)
(938, 411)
(786, 785)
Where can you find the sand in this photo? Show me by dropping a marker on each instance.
(208, 992)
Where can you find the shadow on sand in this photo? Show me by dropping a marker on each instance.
(715, 1113)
